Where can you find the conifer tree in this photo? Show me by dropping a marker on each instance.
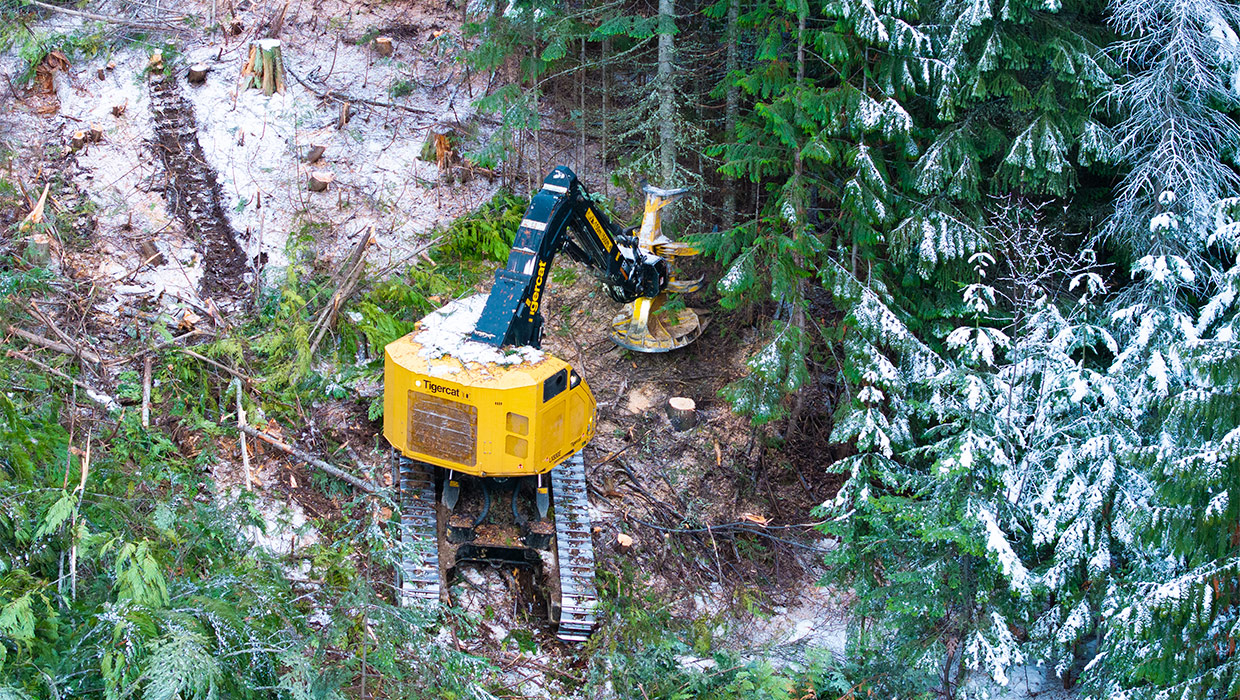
(1014, 88)
(1178, 134)
(1174, 621)
(826, 139)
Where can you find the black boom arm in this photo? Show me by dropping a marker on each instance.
(563, 206)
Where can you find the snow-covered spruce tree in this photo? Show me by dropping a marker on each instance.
(1014, 87)
(1172, 625)
(921, 515)
(827, 139)
(1183, 66)
(989, 509)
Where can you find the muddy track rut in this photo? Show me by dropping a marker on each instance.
(193, 192)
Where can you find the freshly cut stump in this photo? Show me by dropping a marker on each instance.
(197, 73)
(383, 46)
(319, 180)
(682, 412)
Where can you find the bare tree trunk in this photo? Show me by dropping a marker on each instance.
(733, 108)
(606, 114)
(581, 161)
(537, 171)
(798, 303)
(667, 94)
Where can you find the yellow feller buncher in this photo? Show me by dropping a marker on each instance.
(478, 414)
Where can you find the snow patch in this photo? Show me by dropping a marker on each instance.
(445, 333)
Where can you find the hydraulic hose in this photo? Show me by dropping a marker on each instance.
(486, 503)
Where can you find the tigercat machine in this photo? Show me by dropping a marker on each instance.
(479, 415)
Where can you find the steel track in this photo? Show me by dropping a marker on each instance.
(419, 567)
(574, 551)
(420, 574)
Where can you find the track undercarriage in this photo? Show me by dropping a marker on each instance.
(448, 520)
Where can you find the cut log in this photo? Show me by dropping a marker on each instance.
(95, 134)
(383, 46)
(264, 67)
(146, 391)
(319, 180)
(682, 412)
(197, 73)
(315, 152)
(78, 140)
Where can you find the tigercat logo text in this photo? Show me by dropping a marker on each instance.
(441, 389)
(532, 302)
(598, 229)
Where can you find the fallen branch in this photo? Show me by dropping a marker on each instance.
(251, 381)
(54, 345)
(310, 459)
(95, 395)
(352, 275)
(245, 453)
(342, 97)
(146, 392)
(102, 18)
(51, 323)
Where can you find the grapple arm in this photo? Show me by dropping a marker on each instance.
(560, 208)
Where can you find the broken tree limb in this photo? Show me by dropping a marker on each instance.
(35, 217)
(111, 20)
(338, 96)
(345, 290)
(95, 395)
(54, 345)
(245, 378)
(245, 453)
(310, 459)
(146, 391)
(48, 321)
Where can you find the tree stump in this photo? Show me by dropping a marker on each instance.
(315, 152)
(78, 140)
(118, 110)
(319, 180)
(384, 47)
(95, 134)
(265, 67)
(345, 113)
(197, 73)
(623, 542)
(682, 413)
